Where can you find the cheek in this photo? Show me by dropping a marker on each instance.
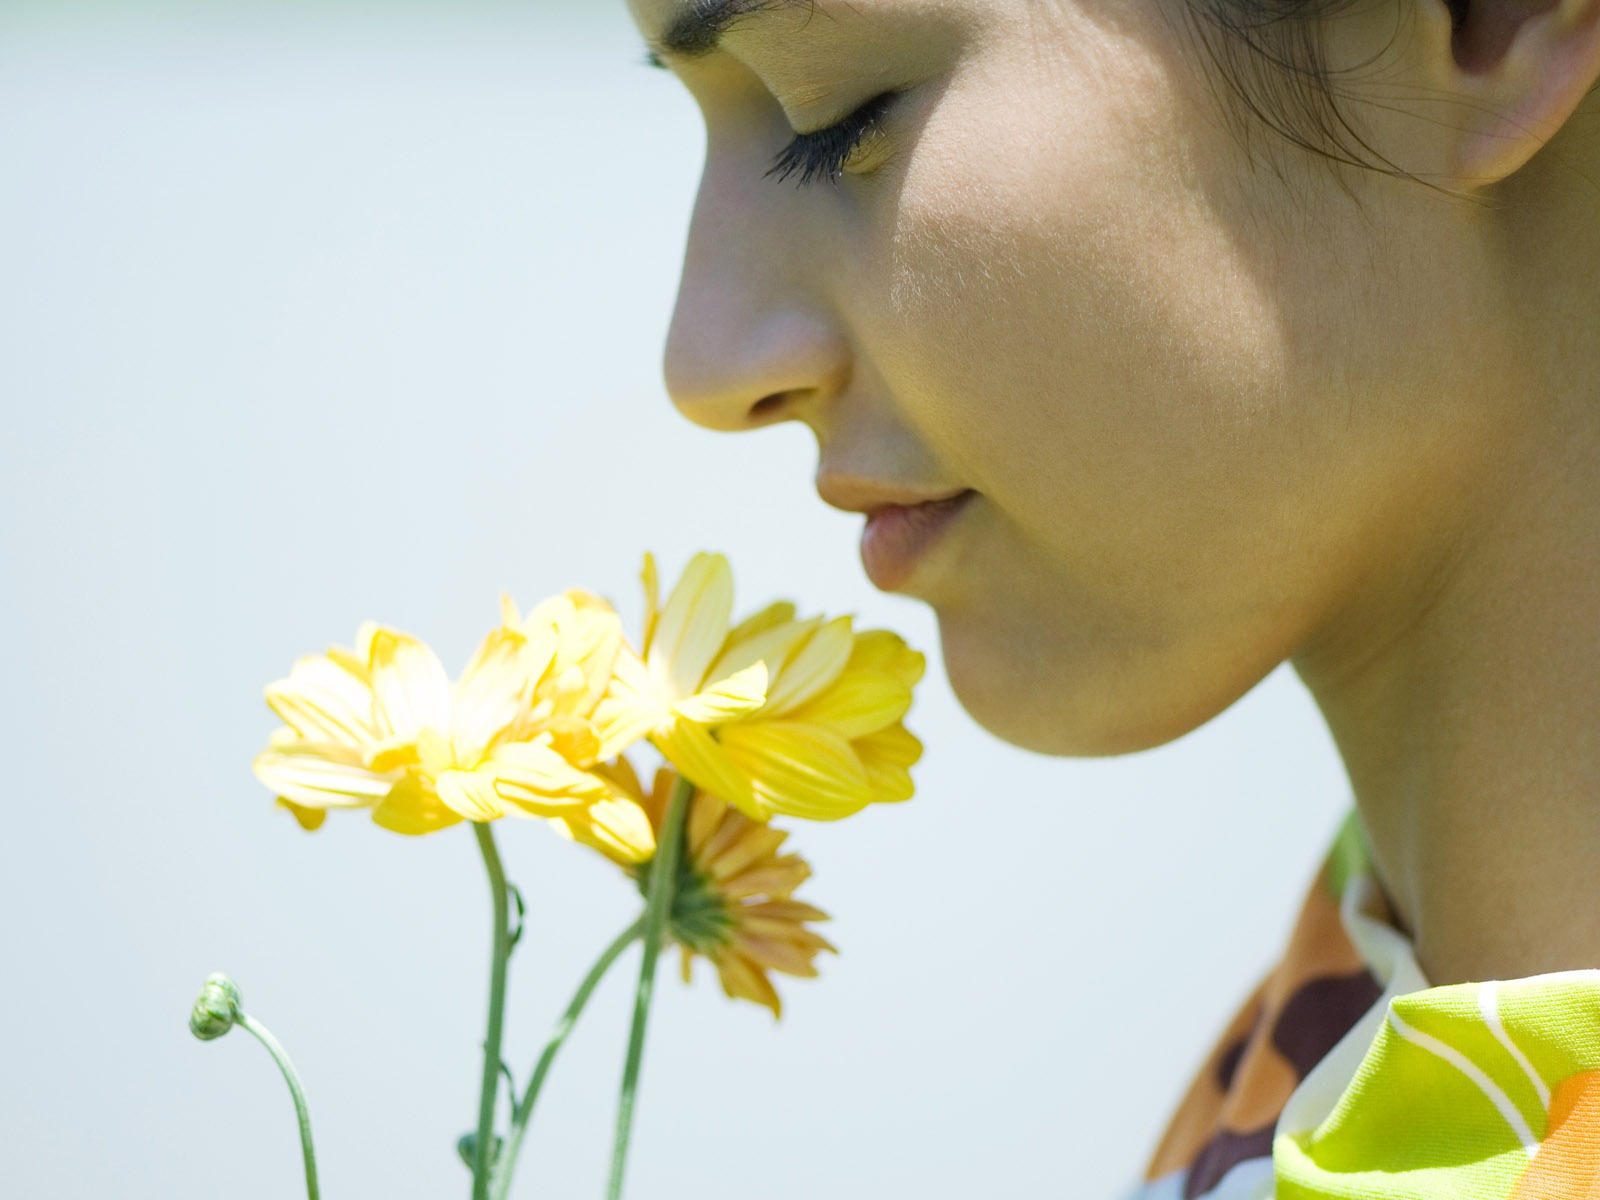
(1078, 330)
(1075, 333)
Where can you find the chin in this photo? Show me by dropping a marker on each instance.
(1081, 702)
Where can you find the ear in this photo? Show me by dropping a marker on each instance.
(1514, 71)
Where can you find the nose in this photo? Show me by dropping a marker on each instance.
(752, 339)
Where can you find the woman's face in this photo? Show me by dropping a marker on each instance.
(1198, 404)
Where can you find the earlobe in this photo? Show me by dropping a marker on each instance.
(1519, 70)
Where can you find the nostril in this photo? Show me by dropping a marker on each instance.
(767, 406)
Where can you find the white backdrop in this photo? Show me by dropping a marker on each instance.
(327, 313)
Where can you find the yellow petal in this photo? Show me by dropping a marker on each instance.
(858, 703)
(539, 646)
(890, 784)
(545, 615)
(706, 815)
(310, 819)
(813, 667)
(409, 684)
(881, 650)
(783, 931)
(471, 794)
(575, 739)
(494, 690)
(629, 676)
(800, 770)
(586, 660)
(617, 827)
(773, 646)
(412, 808)
(535, 778)
(556, 635)
(651, 581)
(775, 955)
(692, 627)
(362, 654)
(783, 910)
(622, 774)
(699, 758)
(895, 744)
(323, 701)
(728, 699)
(886, 754)
(741, 980)
(774, 880)
(509, 616)
(355, 661)
(662, 786)
(726, 834)
(770, 617)
(320, 775)
(755, 842)
(623, 720)
(435, 752)
(390, 754)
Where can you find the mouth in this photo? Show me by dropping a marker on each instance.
(897, 538)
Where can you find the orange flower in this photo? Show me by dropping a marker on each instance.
(733, 901)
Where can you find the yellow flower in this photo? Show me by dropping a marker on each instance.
(733, 901)
(669, 691)
(569, 648)
(589, 639)
(776, 714)
(381, 727)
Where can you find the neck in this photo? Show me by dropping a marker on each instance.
(1466, 705)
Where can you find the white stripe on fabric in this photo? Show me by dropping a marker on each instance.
(1472, 1071)
(1489, 1006)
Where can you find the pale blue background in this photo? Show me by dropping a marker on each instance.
(310, 314)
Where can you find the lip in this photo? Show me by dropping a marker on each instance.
(898, 537)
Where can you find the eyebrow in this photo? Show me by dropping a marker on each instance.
(698, 30)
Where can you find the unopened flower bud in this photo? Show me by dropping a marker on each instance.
(217, 1009)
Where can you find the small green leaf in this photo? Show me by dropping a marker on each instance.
(467, 1149)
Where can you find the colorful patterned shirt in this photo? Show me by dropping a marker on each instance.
(1346, 1075)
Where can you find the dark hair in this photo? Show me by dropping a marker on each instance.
(1268, 55)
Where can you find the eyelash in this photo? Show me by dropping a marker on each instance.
(825, 151)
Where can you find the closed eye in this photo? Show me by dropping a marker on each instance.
(825, 151)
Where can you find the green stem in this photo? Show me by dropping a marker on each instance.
(261, 1035)
(499, 896)
(523, 1112)
(658, 904)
